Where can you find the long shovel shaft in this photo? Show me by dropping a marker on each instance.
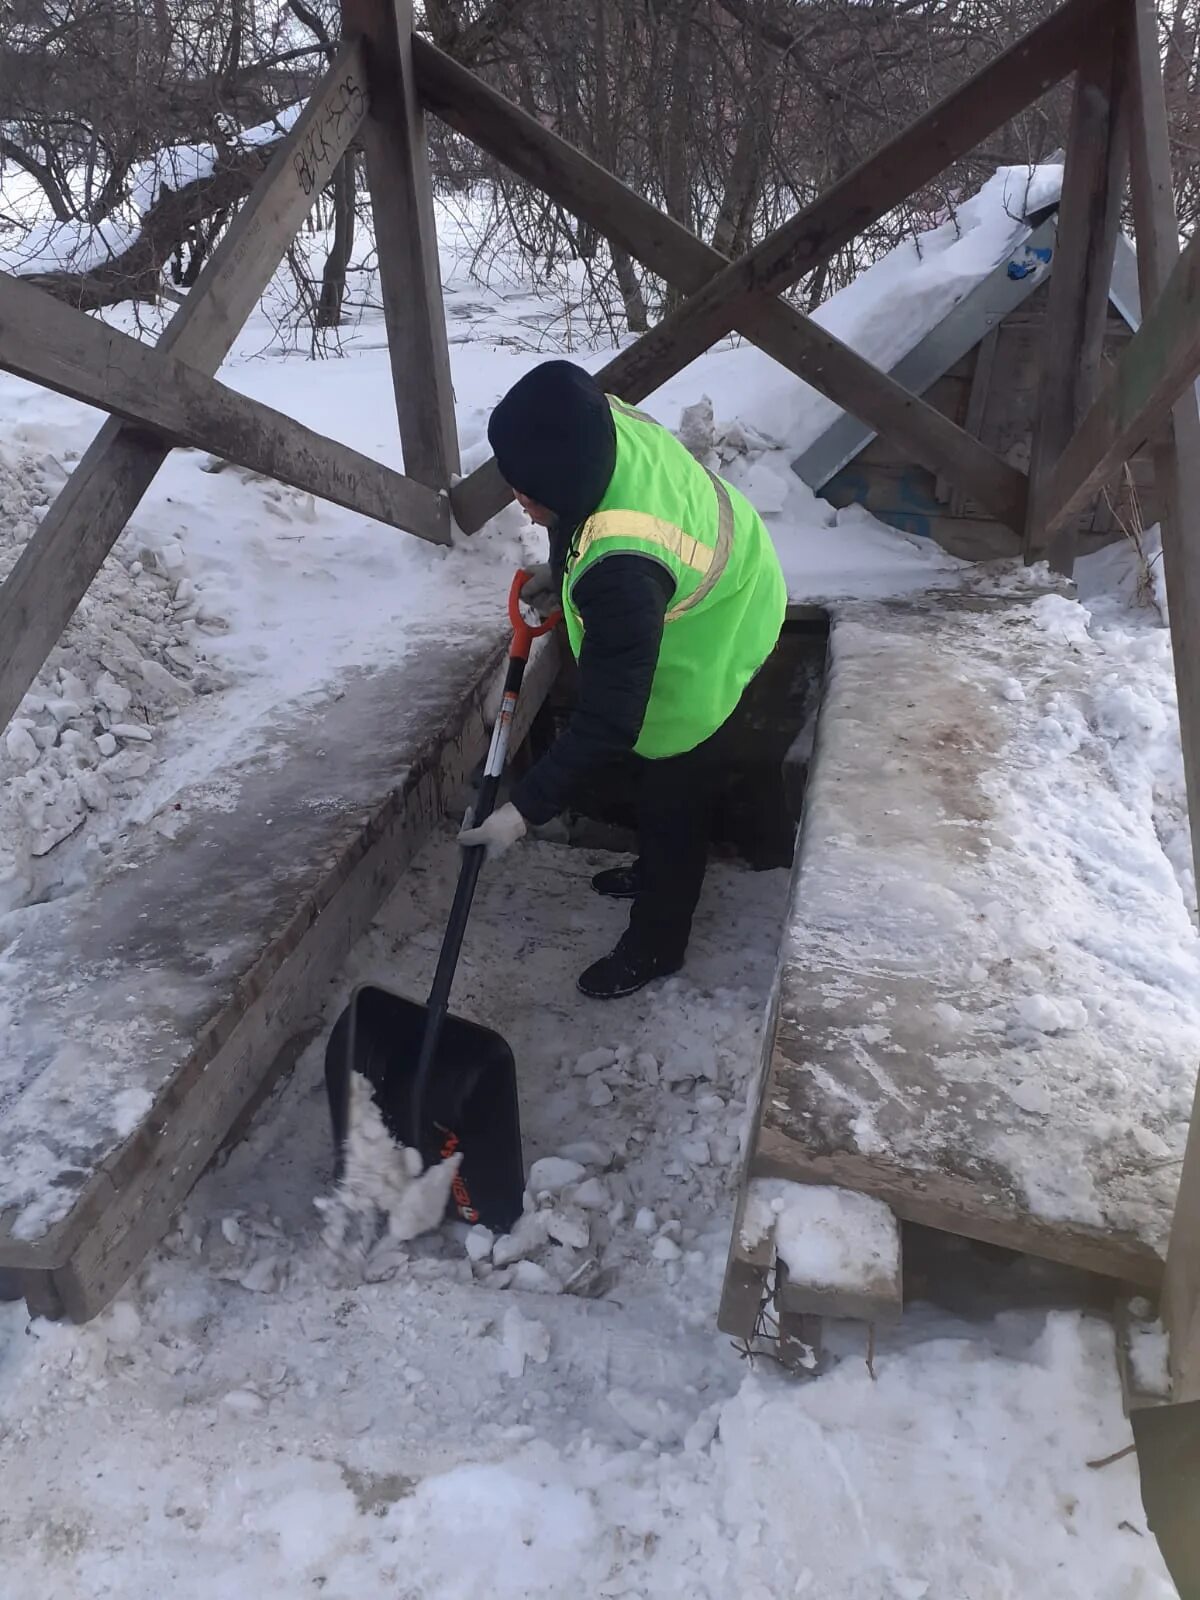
(468, 877)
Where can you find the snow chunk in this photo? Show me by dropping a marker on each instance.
(382, 1181)
(570, 1228)
(594, 1061)
(479, 1243)
(1046, 1015)
(593, 1194)
(1062, 618)
(530, 1232)
(553, 1173)
(534, 1279)
(21, 745)
(524, 1340)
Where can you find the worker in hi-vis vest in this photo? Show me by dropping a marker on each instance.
(673, 598)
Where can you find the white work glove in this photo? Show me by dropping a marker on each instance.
(541, 593)
(501, 830)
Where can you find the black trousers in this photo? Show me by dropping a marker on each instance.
(675, 802)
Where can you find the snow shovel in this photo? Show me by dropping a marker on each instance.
(443, 1085)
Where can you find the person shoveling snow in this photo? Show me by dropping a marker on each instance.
(673, 599)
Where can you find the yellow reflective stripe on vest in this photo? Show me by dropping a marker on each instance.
(709, 561)
(718, 557)
(649, 530)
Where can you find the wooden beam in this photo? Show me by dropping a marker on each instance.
(1157, 365)
(1077, 310)
(51, 343)
(668, 248)
(977, 399)
(1177, 479)
(949, 130)
(53, 572)
(406, 240)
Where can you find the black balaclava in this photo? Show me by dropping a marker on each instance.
(554, 440)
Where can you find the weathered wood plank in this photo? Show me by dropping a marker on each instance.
(406, 239)
(748, 1265)
(1177, 475)
(946, 132)
(977, 399)
(1089, 215)
(666, 247)
(1160, 362)
(53, 572)
(53, 344)
(930, 1107)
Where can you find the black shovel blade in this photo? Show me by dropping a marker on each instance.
(470, 1103)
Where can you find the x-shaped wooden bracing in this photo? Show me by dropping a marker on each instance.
(166, 395)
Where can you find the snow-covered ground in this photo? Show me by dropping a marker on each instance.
(256, 1415)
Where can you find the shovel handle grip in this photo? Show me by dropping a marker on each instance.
(525, 633)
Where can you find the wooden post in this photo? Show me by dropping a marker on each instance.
(1156, 368)
(1077, 313)
(977, 399)
(52, 573)
(406, 240)
(1177, 476)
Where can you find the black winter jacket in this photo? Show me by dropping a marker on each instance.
(622, 602)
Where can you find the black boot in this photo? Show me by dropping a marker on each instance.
(619, 883)
(624, 972)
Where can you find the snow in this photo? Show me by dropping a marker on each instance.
(1149, 1358)
(553, 1173)
(54, 246)
(1031, 939)
(288, 1403)
(883, 314)
(269, 1417)
(383, 1185)
(827, 1238)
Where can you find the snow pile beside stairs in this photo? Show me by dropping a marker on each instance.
(92, 727)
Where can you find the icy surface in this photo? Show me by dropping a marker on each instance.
(1028, 977)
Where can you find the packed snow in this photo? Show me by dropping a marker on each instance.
(447, 1417)
(827, 1238)
(436, 1411)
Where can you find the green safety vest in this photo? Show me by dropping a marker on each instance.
(730, 595)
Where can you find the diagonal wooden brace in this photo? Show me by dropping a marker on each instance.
(734, 296)
(1156, 367)
(51, 343)
(53, 572)
(666, 247)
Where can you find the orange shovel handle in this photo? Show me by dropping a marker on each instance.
(523, 632)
